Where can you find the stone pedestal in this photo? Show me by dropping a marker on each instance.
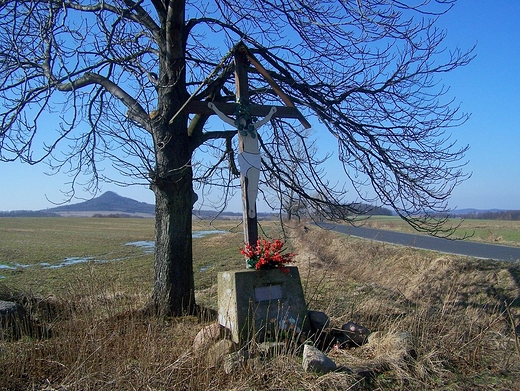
(251, 303)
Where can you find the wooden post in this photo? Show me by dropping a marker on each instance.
(248, 144)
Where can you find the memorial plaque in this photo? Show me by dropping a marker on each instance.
(250, 300)
(270, 292)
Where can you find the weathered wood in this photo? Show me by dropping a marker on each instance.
(287, 100)
(245, 143)
(201, 107)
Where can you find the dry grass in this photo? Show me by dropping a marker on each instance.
(442, 322)
(460, 312)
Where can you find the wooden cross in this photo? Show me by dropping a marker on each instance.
(249, 152)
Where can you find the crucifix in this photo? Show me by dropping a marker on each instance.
(249, 159)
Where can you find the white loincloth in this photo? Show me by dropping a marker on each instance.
(246, 160)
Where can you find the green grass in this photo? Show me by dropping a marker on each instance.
(50, 241)
(29, 241)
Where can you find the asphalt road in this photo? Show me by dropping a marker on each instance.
(459, 247)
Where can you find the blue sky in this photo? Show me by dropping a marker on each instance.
(488, 88)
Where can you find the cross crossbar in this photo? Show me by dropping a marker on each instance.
(201, 107)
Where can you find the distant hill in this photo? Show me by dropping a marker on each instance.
(111, 204)
(107, 202)
(490, 214)
(370, 210)
(28, 213)
(484, 214)
(469, 211)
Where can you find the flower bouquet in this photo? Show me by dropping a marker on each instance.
(267, 255)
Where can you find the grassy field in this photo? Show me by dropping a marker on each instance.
(460, 312)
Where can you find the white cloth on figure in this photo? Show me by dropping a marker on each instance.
(246, 160)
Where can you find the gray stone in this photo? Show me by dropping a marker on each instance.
(319, 320)
(250, 301)
(314, 360)
(375, 335)
(234, 361)
(404, 339)
(219, 350)
(356, 333)
(10, 309)
(272, 349)
(207, 335)
(14, 320)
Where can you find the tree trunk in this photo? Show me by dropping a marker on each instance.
(172, 183)
(173, 292)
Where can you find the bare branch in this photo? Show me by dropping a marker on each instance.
(368, 72)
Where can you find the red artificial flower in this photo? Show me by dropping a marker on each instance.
(267, 255)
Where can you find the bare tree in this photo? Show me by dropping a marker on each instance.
(84, 81)
(291, 175)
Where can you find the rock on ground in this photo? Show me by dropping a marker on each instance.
(314, 360)
(207, 335)
(13, 320)
(219, 350)
(318, 320)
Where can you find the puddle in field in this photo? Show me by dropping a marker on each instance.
(45, 265)
(146, 245)
(72, 261)
(201, 234)
(14, 267)
(7, 267)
